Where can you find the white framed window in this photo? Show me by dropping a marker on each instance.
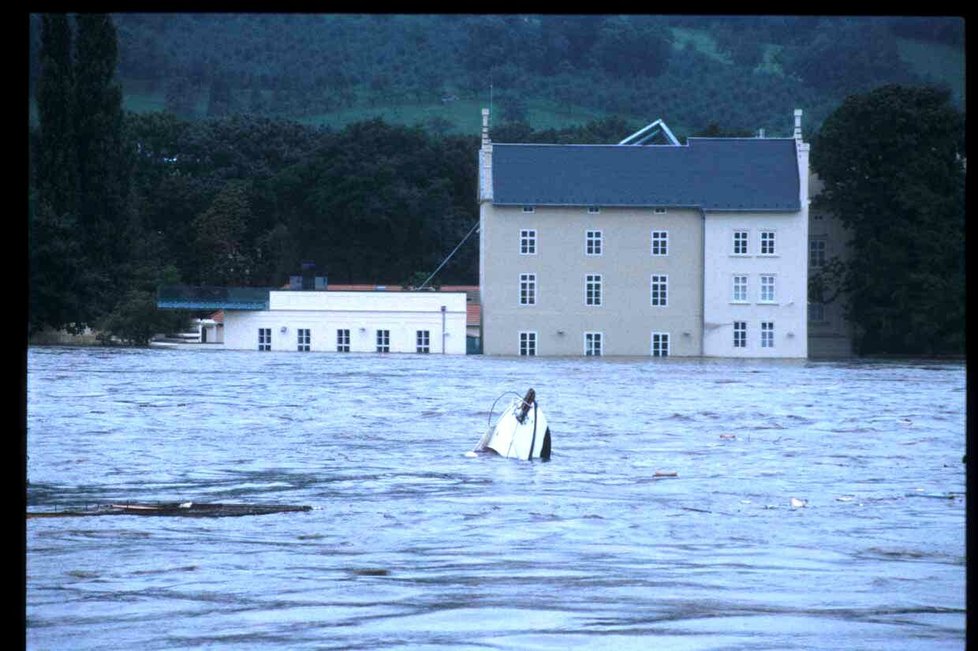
(767, 242)
(593, 210)
(592, 243)
(767, 288)
(660, 290)
(740, 334)
(423, 341)
(739, 289)
(767, 334)
(592, 289)
(660, 242)
(659, 211)
(660, 344)
(343, 341)
(816, 253)
(528, 344)
(593, 344)
(383, 341)
(528, 241)
(528, 289)
(303, 336)
(740, 243)
(529, 209)
(264, 338)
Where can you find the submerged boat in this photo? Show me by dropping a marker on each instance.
(521, 432)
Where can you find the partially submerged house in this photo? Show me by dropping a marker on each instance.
(326, 320)
(645, 249)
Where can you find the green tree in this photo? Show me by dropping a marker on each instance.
(56, 166)
(219, 237)
(892, 163)
(104, 161)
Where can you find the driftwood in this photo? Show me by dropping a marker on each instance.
(175, 509)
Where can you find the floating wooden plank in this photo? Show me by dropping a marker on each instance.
(174, 509)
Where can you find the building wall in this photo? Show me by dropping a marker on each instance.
(829, 332)
(362, 313)
(788, 266)
(560, 316)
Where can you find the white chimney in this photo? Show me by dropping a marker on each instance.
(797, 124)
(760, 132)
(485, 127)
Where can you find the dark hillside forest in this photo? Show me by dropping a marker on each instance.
(546, 71)
(220, 149)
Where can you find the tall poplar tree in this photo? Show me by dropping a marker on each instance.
(54, 258)
(103, 160)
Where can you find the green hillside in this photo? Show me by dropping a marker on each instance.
(741, 73)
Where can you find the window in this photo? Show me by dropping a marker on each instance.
(740, 334)
(660, 242)
(529, 209)
(528, 242)
(740, 243)
(303, 340)
(592, 344)
(660, 290)
(264, 338)
(816, 253)
(342, 341)
(383, 341)
(659, 211)
(767, 242)
(660, 344)
(528, 289)
(528, 344)
(816, 312)
(767, 334)
(767, 289)
(592, 245)
(423, 340)
(593, 210)
(740, 289)
(592, 289)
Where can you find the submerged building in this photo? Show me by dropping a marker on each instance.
(645, 249)
(324, 320)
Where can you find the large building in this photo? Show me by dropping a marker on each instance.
(645, 249)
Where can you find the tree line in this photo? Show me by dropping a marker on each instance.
(120, 203)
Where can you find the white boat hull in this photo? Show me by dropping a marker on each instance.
(529, 439)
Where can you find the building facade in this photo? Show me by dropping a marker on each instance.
(653, 250)
(334, 321)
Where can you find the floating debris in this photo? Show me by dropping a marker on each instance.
(728, 437)
(798, 504)
(939, 496)
(184, 509)
(665, 474)
(845, 498)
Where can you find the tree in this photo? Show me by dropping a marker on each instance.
(892, 163)
(104, 162)
(56, 162)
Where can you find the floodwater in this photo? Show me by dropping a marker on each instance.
(412, 545)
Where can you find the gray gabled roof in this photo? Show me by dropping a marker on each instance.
(756, 174)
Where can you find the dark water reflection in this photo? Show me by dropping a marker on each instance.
(412, 545)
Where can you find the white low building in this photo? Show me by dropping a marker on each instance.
(338, 321)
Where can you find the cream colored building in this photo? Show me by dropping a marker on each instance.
(635, 249)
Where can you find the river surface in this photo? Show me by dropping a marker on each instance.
(412, 545)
